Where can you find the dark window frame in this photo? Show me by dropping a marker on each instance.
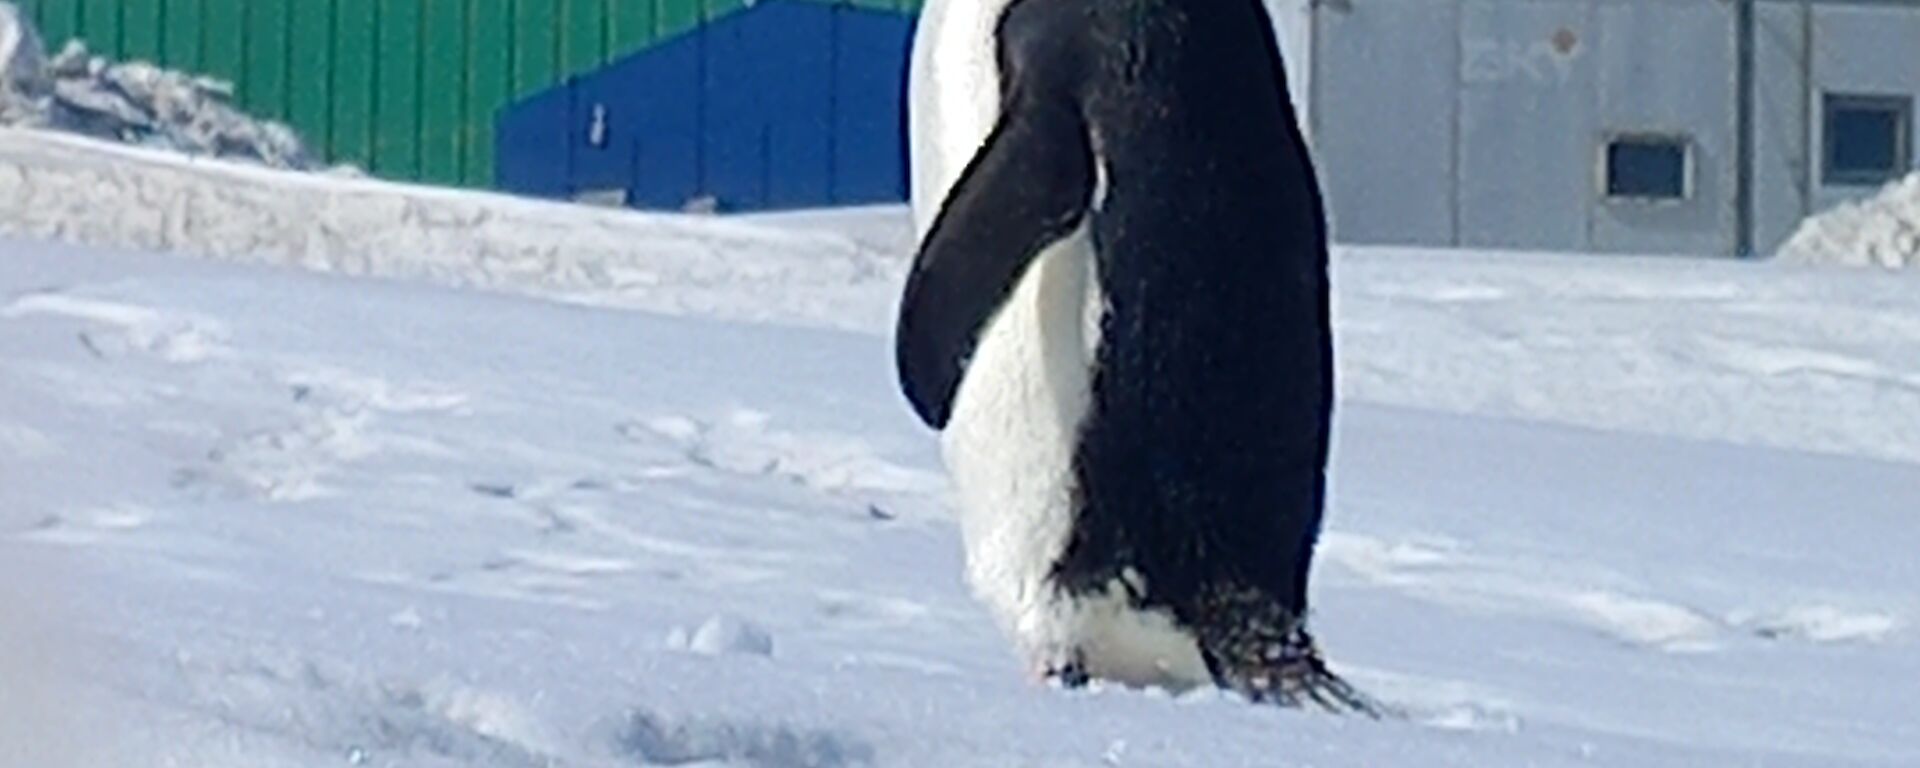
(1689, 160)
(1900, 105)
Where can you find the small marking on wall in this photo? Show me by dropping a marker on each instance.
(1542, 62)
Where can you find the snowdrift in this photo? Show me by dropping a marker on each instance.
(71, 189)
(134, 103)
(1879, 231)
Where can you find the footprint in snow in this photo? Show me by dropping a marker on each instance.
(337, 418)
(1647, 623)
(122, 329)
(746, 442)
(1821, 625)
(655, 738)
(1444, 572)
(722, 636)
(90, 526)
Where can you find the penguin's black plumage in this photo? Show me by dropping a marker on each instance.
(1162, 134)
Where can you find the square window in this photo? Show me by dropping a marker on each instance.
(1647, 167)
(1868, 138)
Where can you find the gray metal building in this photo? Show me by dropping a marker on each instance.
(1696, 127)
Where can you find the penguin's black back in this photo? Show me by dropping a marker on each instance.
(1201, 462)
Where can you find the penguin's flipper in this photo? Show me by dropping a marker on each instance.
(1028, 187)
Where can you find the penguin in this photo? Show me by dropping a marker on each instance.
(1117, 321)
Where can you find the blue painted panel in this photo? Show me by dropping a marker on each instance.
(532, 150)
(799, 37)
(786, 104)
(870, 82)
(734, 125)
(654, 97)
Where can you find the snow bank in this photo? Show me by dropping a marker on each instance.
(134, 103)
(70, 189)
(1879, 231)
(22, 59)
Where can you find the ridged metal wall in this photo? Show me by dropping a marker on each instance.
(407, 89)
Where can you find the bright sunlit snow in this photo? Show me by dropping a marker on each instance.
(1587, 511)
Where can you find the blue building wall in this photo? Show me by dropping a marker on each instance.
(786, 104)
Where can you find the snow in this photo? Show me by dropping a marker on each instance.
(1881, 230)
(56, 187)
(260, 510)
(132, 102)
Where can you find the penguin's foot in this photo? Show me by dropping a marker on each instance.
(1069, 673)
(1264, 652)
(1293, 674)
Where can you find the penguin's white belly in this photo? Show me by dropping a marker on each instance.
(1010, 449)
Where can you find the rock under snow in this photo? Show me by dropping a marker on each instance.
(133, 103)
(1879, 231)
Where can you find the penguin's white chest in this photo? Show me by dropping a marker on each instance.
(1010, 449)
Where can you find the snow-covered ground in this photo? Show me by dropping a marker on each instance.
(1587, 511)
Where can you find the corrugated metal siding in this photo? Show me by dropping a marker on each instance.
(407, 89)
(789, 104)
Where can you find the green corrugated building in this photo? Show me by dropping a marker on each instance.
(407, 89)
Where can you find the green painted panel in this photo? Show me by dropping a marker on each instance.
(489, 84)
(100, 25)
(180, 34)
(632, 25)
(57, 20)
(714, 9)
(396, 133)
(443, 78)
(267, 61)
(140, 27)
(676, 16)
(223, 39)
(355, 24)
(310, 85)
(410, 89)
(583, 39)
(536, 45)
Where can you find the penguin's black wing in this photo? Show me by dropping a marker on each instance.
(1028, 187)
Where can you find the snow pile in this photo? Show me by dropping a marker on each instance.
(132, 103)
(70, 189)
(22, 62)
(1879, 231)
